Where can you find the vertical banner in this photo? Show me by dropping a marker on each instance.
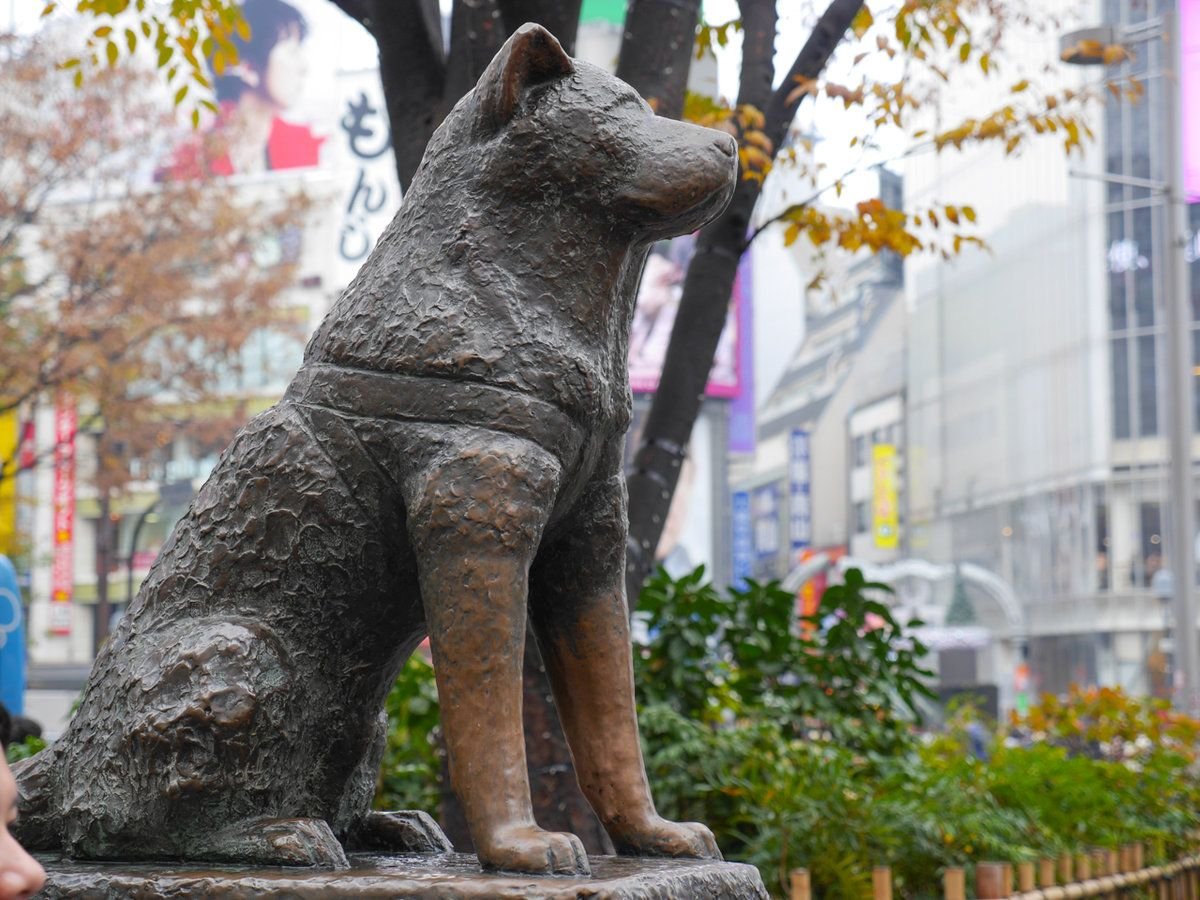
(10, 440)
(742, 430)
(372, 192)
(62, 573)
(764, 503)
(885, 508)
(1189, 41)
(742, 540)
(799, 494)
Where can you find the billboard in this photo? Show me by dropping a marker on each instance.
(799, 494)
(764, 508)
(300, 104)
(362, 153)
(658, 299)
(62, 572)
(687, 537)
(1189, 22)
(885, 519)
(742, 526)
(265, 119)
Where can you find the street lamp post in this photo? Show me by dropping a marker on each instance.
(1177, 322)
(1179, 384)
(133, 542)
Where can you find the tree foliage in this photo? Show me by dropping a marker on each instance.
(132, 298)
(186, 37)
(849, 668)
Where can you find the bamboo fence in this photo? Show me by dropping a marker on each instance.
(1102, 873)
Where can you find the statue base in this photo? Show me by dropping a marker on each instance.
(419, 876)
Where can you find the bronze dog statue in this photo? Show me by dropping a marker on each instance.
(446, 462)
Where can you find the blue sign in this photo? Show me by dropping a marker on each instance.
(799, 492)
(12, 640)
(766, 522)
(743, 539)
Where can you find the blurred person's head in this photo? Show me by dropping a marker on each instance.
(20, 874)
(271, 65)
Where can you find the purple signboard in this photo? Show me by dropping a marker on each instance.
(1189, 21)
(741, 407)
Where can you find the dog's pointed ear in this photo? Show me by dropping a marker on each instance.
(531, 56)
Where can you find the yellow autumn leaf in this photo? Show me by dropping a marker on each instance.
(1113, 54)
(863, 20)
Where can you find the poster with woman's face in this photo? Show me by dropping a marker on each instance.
(654, 316)
(272, 113)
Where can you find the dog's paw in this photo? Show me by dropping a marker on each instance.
(529, 849)
(403, 831)
(660, 837)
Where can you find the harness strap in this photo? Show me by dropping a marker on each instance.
(428, 398)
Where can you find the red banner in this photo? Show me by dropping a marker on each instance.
(62, 573)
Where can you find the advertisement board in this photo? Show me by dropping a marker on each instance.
(885, 518)
(299, 104)
(658, 299)
(799, 493)
(362, 153)
(687, 537)
(1189, 21)
(742, 542)
(764, 508)
(62, 572)
(272, 109)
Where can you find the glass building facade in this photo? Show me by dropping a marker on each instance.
(1037, 410)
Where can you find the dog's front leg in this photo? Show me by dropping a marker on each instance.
(476, 525)
(582, 623)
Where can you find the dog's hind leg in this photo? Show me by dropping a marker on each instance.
(39, 825)
(263, 840)
(476, 523)
(400, 831)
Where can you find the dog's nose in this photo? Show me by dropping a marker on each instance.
(727, 145)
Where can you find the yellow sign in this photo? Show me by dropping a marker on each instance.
(9, 436)
(885, 519)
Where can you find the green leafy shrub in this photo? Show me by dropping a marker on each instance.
(410, 775)
(848, 669)
(25, 749)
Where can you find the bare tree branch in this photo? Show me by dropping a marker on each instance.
(809, 63)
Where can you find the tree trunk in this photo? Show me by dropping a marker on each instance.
(413, 73)
(709, 282)
(656, 51)
(560, 18)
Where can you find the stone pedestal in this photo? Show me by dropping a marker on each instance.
(419, 876)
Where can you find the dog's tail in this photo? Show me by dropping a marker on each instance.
(39, 825)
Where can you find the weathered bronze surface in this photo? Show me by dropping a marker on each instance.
(450, 876)
(446, 462)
